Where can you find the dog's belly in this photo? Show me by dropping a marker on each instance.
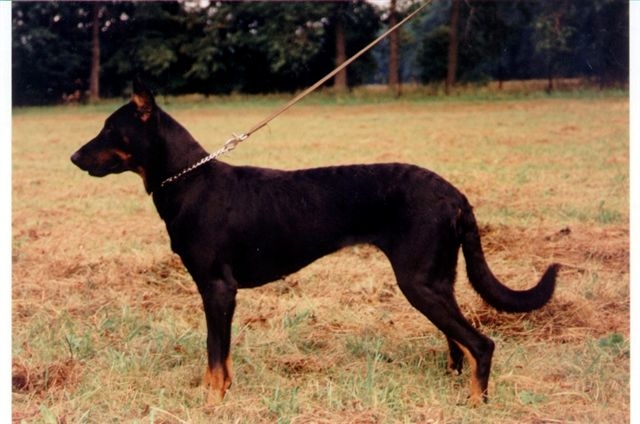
(267, 261)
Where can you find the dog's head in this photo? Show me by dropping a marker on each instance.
(124, 143)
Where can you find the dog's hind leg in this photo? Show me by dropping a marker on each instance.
(442, 309)
(455, 358)
(425, 275)
(218, 298)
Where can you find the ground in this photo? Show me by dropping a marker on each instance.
(108, 327)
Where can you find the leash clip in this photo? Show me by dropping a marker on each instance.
(231, 144)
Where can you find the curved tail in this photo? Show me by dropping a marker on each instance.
(488, 286)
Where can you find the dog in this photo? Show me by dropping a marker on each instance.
(240, 227)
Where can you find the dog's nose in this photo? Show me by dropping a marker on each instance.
(76, 158)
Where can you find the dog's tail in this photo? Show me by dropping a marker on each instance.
(488, 286)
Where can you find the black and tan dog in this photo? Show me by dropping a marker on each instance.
(240, 227)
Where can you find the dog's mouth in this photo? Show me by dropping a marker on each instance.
(98, 172)
(113, 166)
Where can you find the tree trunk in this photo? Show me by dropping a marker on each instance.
(394, 80)
(452, 60)
(549, 88)
(340, 80)
(94, 78)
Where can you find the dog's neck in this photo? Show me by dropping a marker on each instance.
(177, 150)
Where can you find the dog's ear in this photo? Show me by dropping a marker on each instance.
(142, 98)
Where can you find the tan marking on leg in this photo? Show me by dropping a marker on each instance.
(217, 381)
(228, 373)
(214, 383)
(475, 399)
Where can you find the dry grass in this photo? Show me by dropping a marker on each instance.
(107, 326)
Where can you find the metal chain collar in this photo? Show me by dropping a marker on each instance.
(228, 146)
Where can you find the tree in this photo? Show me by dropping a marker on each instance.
(256, 47)
(50, 51)
(362, 23)
(432, 58)
(63, 51)
(340, 80)
(552, 36)
(94, 78)
(259, 47)
(600, 42)
(353, 25)
(394, 66)
(144, 38)
(452, 57)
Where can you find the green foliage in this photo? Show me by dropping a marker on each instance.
(50, 51)
(263, 47)
(258, 47)
(283, 403)
(615, 344)
(220, 48)
(530, 398)
(606, 215)
(520, 40)
(433, 55)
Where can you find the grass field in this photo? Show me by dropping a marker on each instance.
(108, 327)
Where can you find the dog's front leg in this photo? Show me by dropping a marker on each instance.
(218, 298)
